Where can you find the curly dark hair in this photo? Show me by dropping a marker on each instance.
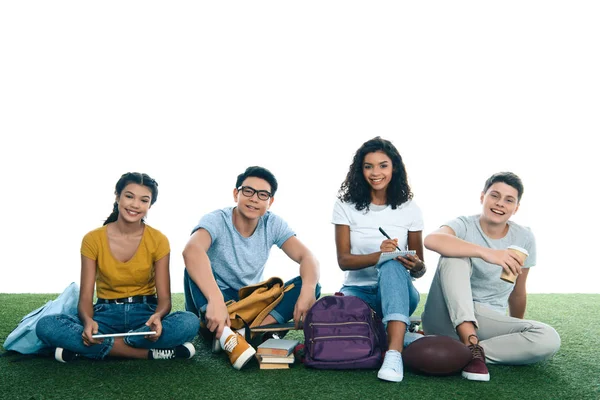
(355, 189)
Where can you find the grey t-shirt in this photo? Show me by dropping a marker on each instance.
(238, 261)
(486, 285)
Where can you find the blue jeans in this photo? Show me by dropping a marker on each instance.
(394, 297)
(65, 331)
(283, 312)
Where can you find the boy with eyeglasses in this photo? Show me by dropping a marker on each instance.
(228, 250)
(468, 299)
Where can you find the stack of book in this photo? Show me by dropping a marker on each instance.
(276, 353)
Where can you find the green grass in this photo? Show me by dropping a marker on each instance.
(572, 374)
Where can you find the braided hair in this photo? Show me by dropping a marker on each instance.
(126, 179)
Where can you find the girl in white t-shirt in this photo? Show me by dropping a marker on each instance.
(376, 194)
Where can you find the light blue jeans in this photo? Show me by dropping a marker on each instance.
(283, 312)
(65, 330)
(394, 297)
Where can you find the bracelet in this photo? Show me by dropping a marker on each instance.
(417, 273)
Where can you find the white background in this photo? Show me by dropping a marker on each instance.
(194, 92)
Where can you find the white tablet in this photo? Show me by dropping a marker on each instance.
(101, 335)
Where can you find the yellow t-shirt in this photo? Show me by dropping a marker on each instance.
(116, 279)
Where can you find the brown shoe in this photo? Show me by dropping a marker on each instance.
(238, 350)
(476, 370)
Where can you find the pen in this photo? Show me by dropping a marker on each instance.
(388, 236)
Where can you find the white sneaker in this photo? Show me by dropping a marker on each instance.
(410, 337)
(392, 369)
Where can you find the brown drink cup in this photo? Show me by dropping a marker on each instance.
(522, 254)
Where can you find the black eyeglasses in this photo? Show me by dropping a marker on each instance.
(249, 192)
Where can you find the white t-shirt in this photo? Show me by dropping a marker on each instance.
(365, 237)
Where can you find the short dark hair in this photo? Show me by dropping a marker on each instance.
(258, 172)
(509, 178)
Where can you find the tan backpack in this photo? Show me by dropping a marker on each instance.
(256, 302)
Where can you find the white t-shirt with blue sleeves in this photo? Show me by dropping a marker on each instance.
(486, 286)
(239, 261)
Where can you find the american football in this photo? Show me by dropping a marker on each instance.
(436, 355)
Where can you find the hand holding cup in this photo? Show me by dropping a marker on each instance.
(522, 254)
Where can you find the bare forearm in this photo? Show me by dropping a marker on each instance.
(358, 261)
(198, 267)
(85, 310)
(164, 307)
(309, 272)
(517, 306)
(450, 246)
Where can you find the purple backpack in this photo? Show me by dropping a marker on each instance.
(343, 332)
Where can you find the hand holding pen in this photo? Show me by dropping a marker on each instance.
(388, 236)
(410, 262)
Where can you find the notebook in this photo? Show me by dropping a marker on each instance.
(393, 254)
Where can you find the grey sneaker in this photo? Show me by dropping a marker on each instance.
(185, 350)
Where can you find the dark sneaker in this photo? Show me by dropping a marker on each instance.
(185, 350)
(476, 370)
(64, 356)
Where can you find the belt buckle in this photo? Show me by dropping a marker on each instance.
(118, 302)
(130, 300)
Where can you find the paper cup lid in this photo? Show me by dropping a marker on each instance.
(517, 248)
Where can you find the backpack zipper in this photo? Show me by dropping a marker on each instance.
(337, 323)
(339, 337)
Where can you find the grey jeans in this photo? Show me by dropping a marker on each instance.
(505, 340)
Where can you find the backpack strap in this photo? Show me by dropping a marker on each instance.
(268, 284)
(263, 314)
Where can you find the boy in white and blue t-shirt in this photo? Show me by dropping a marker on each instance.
(469, 301)
(228, 250)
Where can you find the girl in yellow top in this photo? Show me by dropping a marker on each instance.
(128, 262)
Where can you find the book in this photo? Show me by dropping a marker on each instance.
(393, 254)
(273, 366)
(277, 347)
(270, 359)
